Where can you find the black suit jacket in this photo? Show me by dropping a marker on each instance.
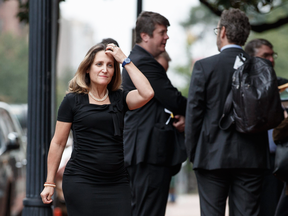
(145, 132)
(208, 146)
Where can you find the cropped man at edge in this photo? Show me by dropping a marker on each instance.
(264, 49)
(272, 187)
(153, 145)
(225, 162)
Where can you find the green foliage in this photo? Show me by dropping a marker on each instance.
(185, 72)
(257, 10)
(245, 5)
(249, 6)
(270, 16)
(200, 15)
(13, 69)
(62, 85)
(280, 45)
(23, 11)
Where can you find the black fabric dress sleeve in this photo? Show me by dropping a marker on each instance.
(65, 111)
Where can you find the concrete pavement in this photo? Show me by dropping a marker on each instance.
(185, 205)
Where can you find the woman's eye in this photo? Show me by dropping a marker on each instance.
(110, 65)
(98, 64)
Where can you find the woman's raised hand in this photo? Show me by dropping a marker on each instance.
(116, 52)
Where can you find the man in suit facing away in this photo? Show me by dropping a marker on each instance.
(224, 161)
(153, 142)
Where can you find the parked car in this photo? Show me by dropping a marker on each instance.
(21, 112)
(12, 163)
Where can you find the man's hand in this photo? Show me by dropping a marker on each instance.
(179, 123)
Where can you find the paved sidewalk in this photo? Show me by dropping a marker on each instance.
(185, 205)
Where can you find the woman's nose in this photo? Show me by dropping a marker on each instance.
(104, 69)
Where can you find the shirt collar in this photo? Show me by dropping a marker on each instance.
(144, 49)
(230, 46)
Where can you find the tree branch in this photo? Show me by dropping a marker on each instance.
(254, 27)
(216, 11)
(268, 26)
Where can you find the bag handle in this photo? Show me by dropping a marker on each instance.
(241, 57)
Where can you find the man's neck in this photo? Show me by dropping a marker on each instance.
(224, 43)
(230, 46)
(146, 47)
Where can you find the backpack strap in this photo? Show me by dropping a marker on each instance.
(227, 119)
(241, 57)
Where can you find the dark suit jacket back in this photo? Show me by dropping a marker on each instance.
(208, 146)
(140, 123)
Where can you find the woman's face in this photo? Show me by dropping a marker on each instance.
(102, 69)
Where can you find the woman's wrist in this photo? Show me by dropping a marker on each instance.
(49, 184)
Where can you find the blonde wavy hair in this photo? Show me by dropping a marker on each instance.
(80, 83)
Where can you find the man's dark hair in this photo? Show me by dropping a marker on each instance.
(236, 24)
(109, 40)
(253, 45)
(146, 22)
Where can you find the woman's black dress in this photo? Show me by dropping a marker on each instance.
(95, 182)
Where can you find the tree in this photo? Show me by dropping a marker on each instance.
(264, 14)
(14, 69)
(261, 12)
(62, 84)
(280, 45)
(199, 20)
(23, 12)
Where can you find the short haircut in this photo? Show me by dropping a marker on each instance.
(252, 46)
(236, 24)
(146, 23)
(109, 40)
(80, 83)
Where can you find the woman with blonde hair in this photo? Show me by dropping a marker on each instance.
(95, 181)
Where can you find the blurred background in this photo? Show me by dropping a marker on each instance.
(85, 23)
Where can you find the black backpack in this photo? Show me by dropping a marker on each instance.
(253, 104)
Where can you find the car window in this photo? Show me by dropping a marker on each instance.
(2, 130)
(7, 121)
(6, 126)
(2, 137)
